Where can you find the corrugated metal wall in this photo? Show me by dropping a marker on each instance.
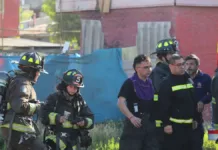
(149, 33)
(92, 36)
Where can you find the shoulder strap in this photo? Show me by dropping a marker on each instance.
(56, 103)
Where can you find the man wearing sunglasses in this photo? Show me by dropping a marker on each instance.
(135, 101)
(202, 84)
(178, 106)
(164, 50)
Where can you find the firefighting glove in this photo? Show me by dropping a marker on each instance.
(200, 106)
(194, 125)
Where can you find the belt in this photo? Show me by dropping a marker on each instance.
(142, 114)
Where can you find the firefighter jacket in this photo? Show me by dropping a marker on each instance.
(214, 87)
(159, 73)
(177, 100)
(21, 104)
(214, 92)
(71, 107)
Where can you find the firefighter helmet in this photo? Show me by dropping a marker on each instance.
(166, 46)
(73, 77)
(32, 60)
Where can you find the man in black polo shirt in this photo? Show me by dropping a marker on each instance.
(135, 102)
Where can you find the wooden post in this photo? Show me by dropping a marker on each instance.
(104, 5)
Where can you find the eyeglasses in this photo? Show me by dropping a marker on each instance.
(146, 67)
(179, 64)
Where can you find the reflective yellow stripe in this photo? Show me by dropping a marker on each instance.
(74, 148)
(32, 108)
(213, 100)
(215, 126)
(52, 117)
(62, 145)
(8, 106)
(68, 124)
(31, 111)
(182, 87)
(158, 123)
(181, 120)
(20, 128)
(89, 122)
(155, 97)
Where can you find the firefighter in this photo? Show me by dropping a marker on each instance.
(202, 85)
(135, 101)
(66, 114)
(214, 92)
(165, 49)
(214, 86)
(18, 128)
(178, 106)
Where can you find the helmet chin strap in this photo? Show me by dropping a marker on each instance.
(166, 60)
(32, 75)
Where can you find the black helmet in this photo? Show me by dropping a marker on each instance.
(32, 60)
(73, 77)
(166, 46)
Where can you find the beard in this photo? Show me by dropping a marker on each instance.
(191, 71)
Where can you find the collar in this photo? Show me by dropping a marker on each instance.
(199, 74)
(163, 66)
(135, 77)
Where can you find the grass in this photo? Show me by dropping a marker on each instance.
(209, 145)
(105, 136)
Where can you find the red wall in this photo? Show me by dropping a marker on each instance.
(197, 31)
(11, 18)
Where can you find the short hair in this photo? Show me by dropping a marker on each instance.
(140, 58)
(193, 57)
(174, 57)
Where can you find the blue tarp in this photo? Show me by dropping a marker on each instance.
(103, 77)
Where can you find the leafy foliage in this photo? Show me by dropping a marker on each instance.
(65, 26)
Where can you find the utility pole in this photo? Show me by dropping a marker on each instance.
(61, 40)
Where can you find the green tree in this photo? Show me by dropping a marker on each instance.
(65, 26)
